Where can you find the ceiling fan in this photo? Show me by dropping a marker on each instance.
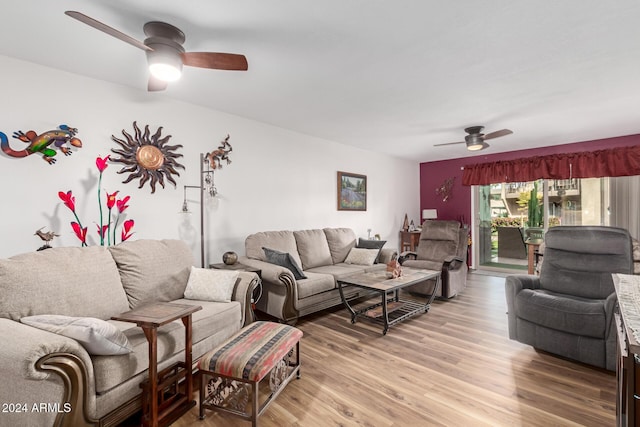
(165, 53)
(476, 139)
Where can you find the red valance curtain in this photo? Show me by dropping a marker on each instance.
(623, 161)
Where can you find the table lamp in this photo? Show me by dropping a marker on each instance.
(429, 214)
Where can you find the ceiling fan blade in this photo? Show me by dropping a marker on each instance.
(156, 85)
(498, 134)
(107, 29)
(448, 143)
(216, 61)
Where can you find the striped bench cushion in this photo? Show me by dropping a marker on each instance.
(252, 352)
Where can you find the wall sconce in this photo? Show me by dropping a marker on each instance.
(206, 186)
(429, 214)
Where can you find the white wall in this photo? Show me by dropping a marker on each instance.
(279, 179)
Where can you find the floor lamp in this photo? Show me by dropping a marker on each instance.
(206, 186)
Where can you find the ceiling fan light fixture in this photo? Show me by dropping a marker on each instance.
(165, 62)
(475, 142)
(477, 146)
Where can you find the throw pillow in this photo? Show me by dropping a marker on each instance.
(361, 256)
(211, 285)
(284, 259)
(372, 244)
(97, 336)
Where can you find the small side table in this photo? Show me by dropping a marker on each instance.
(158, 407)
(531, 256)
(409, 240)
(237, 266)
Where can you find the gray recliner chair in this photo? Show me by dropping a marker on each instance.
(568, 310)
(442, 246)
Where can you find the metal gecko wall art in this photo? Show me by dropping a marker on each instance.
(147, 157)
(44, 143)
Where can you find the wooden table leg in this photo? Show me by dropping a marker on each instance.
(151, 418)
(187, 357)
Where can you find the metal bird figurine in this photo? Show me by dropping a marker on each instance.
(46, 237)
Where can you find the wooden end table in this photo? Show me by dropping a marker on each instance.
(159, 407)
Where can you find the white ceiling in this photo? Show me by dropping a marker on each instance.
(395, 76)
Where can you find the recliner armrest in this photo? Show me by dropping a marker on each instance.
(407, 255)
(452, 262)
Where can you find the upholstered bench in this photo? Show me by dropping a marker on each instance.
(233, 372)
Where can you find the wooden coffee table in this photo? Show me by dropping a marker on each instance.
(391, 309)
(160, 407)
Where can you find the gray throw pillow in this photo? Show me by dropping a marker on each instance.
(284, 259)
(371, 244)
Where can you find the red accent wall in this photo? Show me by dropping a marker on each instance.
(458, 207)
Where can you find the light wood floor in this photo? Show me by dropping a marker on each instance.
(453, 366)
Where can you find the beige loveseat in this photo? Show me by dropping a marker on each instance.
(321, 254)
(40, 367)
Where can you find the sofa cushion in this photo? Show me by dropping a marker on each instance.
(210, 284)
(575, 315)
(315, 283)
(361, 256)
(340, 241)
(153, 270)
(222, 319)
(338, 271)
(313, 248)
(282, 241)
(97, 336)
(73, 281)
(284, 259)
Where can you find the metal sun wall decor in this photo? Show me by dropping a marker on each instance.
(41, 143)
(445, 189)
(147, 157)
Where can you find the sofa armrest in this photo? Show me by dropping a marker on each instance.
(277, 276)
(512, 286)
(271, 273)
(243, 293)
(386, 255)
(38, 366)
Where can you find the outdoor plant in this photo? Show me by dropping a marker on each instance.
(534, 208)
(106, 232)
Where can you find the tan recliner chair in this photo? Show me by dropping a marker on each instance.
(443, 246)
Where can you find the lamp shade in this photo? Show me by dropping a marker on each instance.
(429, 213)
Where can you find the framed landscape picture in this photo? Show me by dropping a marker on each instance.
(352, 192)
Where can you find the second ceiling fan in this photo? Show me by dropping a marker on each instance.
(165, 53)
(475, 139)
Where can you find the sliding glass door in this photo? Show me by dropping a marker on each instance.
(507, 212)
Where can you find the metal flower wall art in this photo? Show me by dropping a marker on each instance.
(107, 229)
(44, 143)
(446, 189)
(147, 157)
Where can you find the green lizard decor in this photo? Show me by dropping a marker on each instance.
(40, 143)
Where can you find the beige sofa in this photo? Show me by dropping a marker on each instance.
(77, 389)
(321, 254)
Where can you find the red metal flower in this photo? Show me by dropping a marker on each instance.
(126, 228)
(122, 204)
(68, 199)
(102, 232)
(111, 199)
(80, 232)
(102, 163)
